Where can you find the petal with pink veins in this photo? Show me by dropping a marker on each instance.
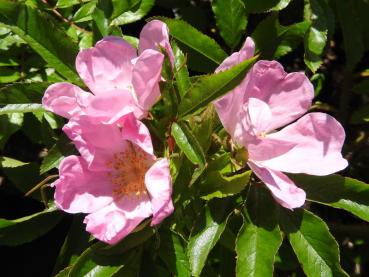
(114, 222)
(65, 99)
(155, 35)
(159, 185)
(284, 191)
(318, 140)
(79, 190)
(106, 66)
(288, 96)
(146, 76)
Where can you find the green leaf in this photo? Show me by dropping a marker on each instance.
(274, 40)
(131, 40)
(259, 238)
(9, 124)
(100, 21)
(217, 185)
(85, 12)
(318, 14)
(203, 126)
(132, 16)
(20, 93)
(231, 20)
(173, 254)
(64, 272)
(187, 142)
(337, 191)
(21, 108)
(9, 162)
(74, 244)
(313, 244)
(207, 88)
(67, 3)
(265, 5)
(92, 263)
(180, 70)
(8, 75)
(208, 229)
(42, 35)
(351, 30)
(119, 7)
(199, 47)
(26, 229)
(56, 154)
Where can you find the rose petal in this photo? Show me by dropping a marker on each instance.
(112, 105)
(96, 142)
(79, 190)
(159, 185)
(155, 34)
(246, 52)
(136, 132)
(114, 222)
(107, 65)
(146, 76)
(284, 191)
(288, 95)
(65, 99)
(318, 140)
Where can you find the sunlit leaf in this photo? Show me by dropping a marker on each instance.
(315, 247)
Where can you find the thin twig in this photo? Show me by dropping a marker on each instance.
(39, 185)
(61, 17)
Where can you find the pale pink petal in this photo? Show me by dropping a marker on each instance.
(65, 99)
(284, 191)
(229, 107)
(79, 190)
(245, 53)
(318, 140)
(288, 96)
(159, 185)
(153, 36)
(96, 142)
(258, 117)
(107, 65)
(146, 76)
(230, 111)
(112, 105)
(136, 132)
(116, 221)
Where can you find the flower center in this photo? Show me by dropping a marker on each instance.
(128, 171)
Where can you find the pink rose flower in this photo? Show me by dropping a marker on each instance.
(266, 100)
(117, 180)
(114, 73)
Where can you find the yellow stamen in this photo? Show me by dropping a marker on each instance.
(128, 171)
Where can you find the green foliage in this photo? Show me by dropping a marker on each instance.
(12, 232)
(42, 35)
(203, 52)
(259, 238)
(312, 243)
(231, 20)
(208, 229)
(337, 191)
(207, 88)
